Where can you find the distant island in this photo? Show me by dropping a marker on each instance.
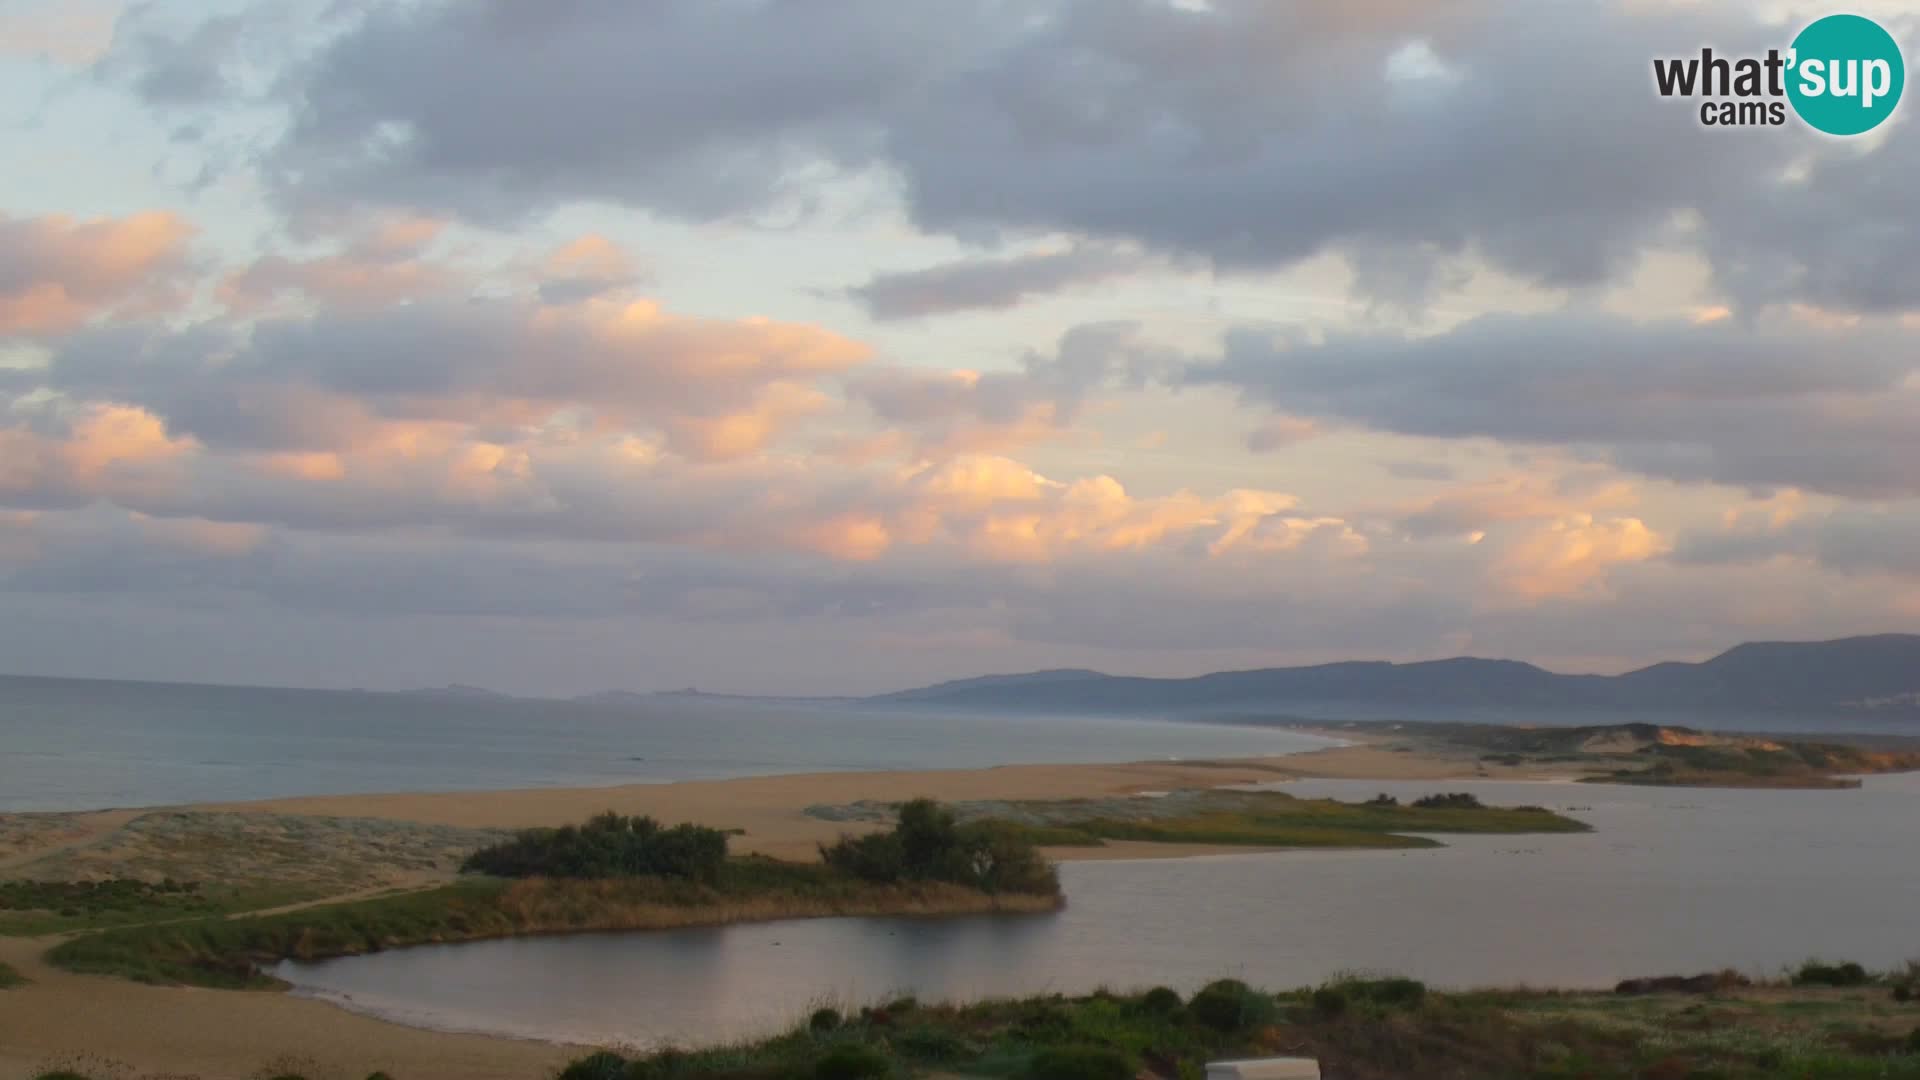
(1873, 675)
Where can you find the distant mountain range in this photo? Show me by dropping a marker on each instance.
(1881, 672)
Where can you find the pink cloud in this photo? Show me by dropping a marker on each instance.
(57, 273)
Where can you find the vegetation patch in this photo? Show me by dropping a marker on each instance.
(928, 844)
(234, 953)
(1251, 818)
(607, 846)
(1386, 1028)
(9, 978)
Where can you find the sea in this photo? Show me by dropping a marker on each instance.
(70, 744)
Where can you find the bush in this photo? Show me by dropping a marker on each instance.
(1080, 1063)
(1382, 799)
(1391, 992)
(823, 1020)
(929, 845)
(607, 846)
(1815, 973)
(851, 1061)
(605, 1065)
(1330, 1001)
(1160, 1001)
(1229, 1005)
(1043, 1021)
(930, 1044)
(378, 1076)
(1913, 1041)
(1458, 800)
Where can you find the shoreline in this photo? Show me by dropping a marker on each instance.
(770, 811)
(59, 1015)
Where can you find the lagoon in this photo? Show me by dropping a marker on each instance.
(1671, 880)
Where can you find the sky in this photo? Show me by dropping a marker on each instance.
(840, 346)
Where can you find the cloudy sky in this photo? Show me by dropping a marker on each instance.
(835, 346)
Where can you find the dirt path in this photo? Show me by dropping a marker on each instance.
(79, 831)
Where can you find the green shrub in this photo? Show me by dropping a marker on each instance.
(1041, 1021)
(926, 1043)
(927, 844)
(823, 1020)
(1913, 1041)
(1229, 1005)
(1815, 973)
(1161, 1001)
(604, 1065)
(1390, 992)
(1080, 1063)
(607, 846)
(378, 1076)
(60, 1074)
(851, 1061)
(1458, 800)
(1330, 1001)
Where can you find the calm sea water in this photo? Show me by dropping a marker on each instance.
(1670, 881)
(76, 745)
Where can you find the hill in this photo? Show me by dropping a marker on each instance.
(1877, 674)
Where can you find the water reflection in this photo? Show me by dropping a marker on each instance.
(1671, 880)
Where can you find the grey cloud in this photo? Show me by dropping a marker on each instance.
(1881, 539)
(1245, 133)
(989, 284)
(1727, 402)
(693, 108)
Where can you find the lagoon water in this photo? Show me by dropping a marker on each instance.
(83, 745)
(1671, 880)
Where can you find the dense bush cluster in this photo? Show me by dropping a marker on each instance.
(1458, 800)
(1229, 1005)
(1815, 973)
(929, 845)
(607, 846)
(1080, 1063)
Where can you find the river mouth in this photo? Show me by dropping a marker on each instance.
(1670, 881)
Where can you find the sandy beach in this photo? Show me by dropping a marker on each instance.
(60, 1017)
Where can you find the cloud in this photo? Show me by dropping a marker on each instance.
(1574, 554)
(449, 108)
(1417, 141)
(57, 273)
(327, 380)
(1856, 540)
(939, 414)
(1772, 403)
(585, 267)
(1468, 510)
(100, 451)
(992, 284)
(70, 32)
(380, 266)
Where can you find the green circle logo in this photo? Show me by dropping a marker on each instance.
(1847, 74)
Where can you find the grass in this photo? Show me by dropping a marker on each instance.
(1257, 818)
(1774, 764)
(9, 978)
(1358, 1028)
(231, 953)
(39, 908)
